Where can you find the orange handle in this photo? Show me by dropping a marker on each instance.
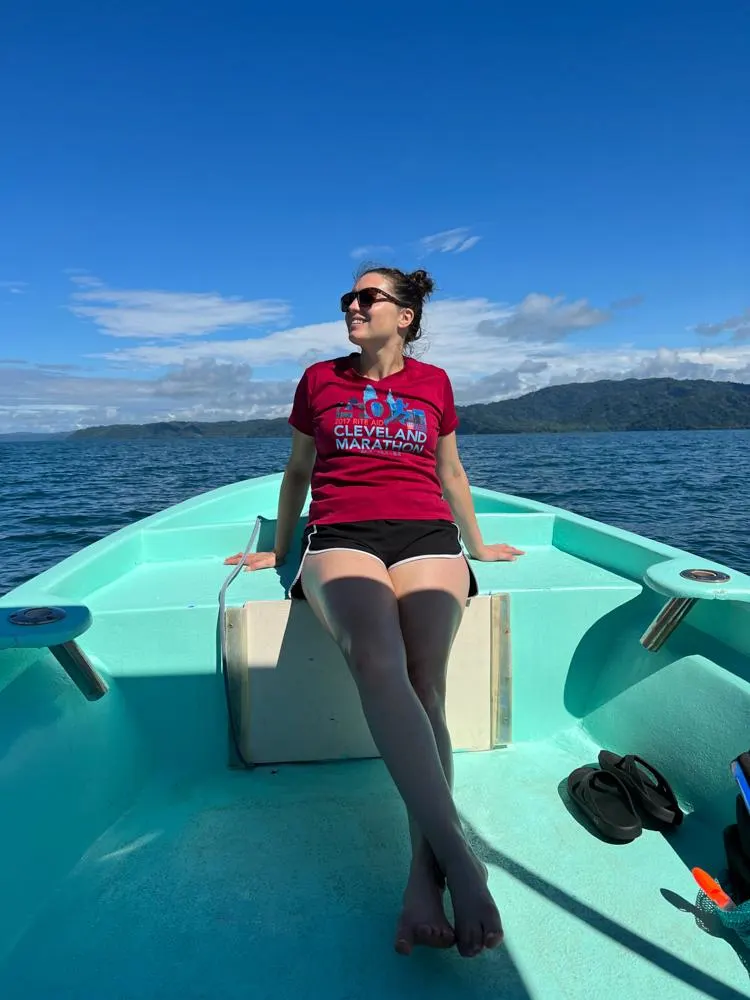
(712, 889)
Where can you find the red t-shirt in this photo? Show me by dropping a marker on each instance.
(376, 441)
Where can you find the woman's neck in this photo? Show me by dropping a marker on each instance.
(380, 363)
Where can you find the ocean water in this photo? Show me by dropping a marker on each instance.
(689, 489)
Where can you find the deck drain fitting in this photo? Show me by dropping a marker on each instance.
(36, 616)
(705, 575)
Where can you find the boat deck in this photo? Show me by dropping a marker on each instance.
(285, 882)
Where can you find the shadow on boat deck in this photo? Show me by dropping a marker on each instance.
(647, 950)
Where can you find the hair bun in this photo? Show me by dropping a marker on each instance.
(423, 281)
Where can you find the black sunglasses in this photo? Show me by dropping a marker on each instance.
(367, 297)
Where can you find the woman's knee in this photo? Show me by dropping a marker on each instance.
(428, 678)
(376, 656)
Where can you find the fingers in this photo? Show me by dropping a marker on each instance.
(506, 553)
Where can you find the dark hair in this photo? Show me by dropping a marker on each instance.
(412, 289)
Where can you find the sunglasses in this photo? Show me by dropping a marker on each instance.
(367, 297)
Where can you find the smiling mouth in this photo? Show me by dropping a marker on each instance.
(357, 322)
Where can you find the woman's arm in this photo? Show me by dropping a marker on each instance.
(293, 491)
(456, 491)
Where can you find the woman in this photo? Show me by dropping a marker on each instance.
(384, 571)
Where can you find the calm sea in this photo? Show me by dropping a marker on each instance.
(690, 489)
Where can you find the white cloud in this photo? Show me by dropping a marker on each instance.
(82, 278)
(468, 244)
(209, 389)
(14, 287)
(468, 337)
(280, 347)
(155, 314)
(738, 326)
(47, 402)
(543, 319)
(359, 253)
(628, 303)
(449, 241)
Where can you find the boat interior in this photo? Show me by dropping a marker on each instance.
(193, 806)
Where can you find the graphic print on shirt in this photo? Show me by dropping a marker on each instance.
(369, 424)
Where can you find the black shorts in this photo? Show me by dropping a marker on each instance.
(392, 542)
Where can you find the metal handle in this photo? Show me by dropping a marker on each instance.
(78, 667)
(670, 616)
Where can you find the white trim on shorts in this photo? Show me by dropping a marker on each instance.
(340, 548)
(298, 574)
(444, 555)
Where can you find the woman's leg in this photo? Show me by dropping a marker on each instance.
(434, 591)
(352, 595)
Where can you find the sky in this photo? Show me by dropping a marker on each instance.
(187, 189)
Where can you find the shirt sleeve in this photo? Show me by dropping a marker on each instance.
(449, 418)
(301, 416)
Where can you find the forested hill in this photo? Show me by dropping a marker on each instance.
(616, 405)
(656, 404)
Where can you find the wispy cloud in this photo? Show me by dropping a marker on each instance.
(469, 338)
(44, 366)
(82, 278)
(14, 287)
(196, 390)
(449, 241)
(208, 389)
(738, 326)
(628, 303)
(468, 244)
(155, 314)
(543, 319)
(359, 253)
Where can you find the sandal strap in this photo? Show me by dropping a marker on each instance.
(629, 764)
(602, 777)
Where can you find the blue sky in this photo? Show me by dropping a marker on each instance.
(185, 191)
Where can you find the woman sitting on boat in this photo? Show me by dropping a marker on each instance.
(384, 571)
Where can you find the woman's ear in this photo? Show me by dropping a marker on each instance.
(405, 318)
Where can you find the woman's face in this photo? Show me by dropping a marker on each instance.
(380, 321)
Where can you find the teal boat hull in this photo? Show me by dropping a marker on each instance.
(140, 858)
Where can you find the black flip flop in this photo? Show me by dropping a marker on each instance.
(654, 798)
(738, 864)
(605, 800)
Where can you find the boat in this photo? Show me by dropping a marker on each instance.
(193, 806)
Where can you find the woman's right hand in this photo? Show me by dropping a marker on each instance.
(255, 560)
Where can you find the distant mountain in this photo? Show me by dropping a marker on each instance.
(31, 436)
(655, 404)
(169, 430)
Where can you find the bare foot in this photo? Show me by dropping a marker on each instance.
(478, 923)
(423, 920)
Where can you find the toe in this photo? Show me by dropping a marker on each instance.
(423, 934)
(404, 940)
(446, 937)
(470, 941)
(493, 928)
(493, 938)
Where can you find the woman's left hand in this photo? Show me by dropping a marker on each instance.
(499, 552)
